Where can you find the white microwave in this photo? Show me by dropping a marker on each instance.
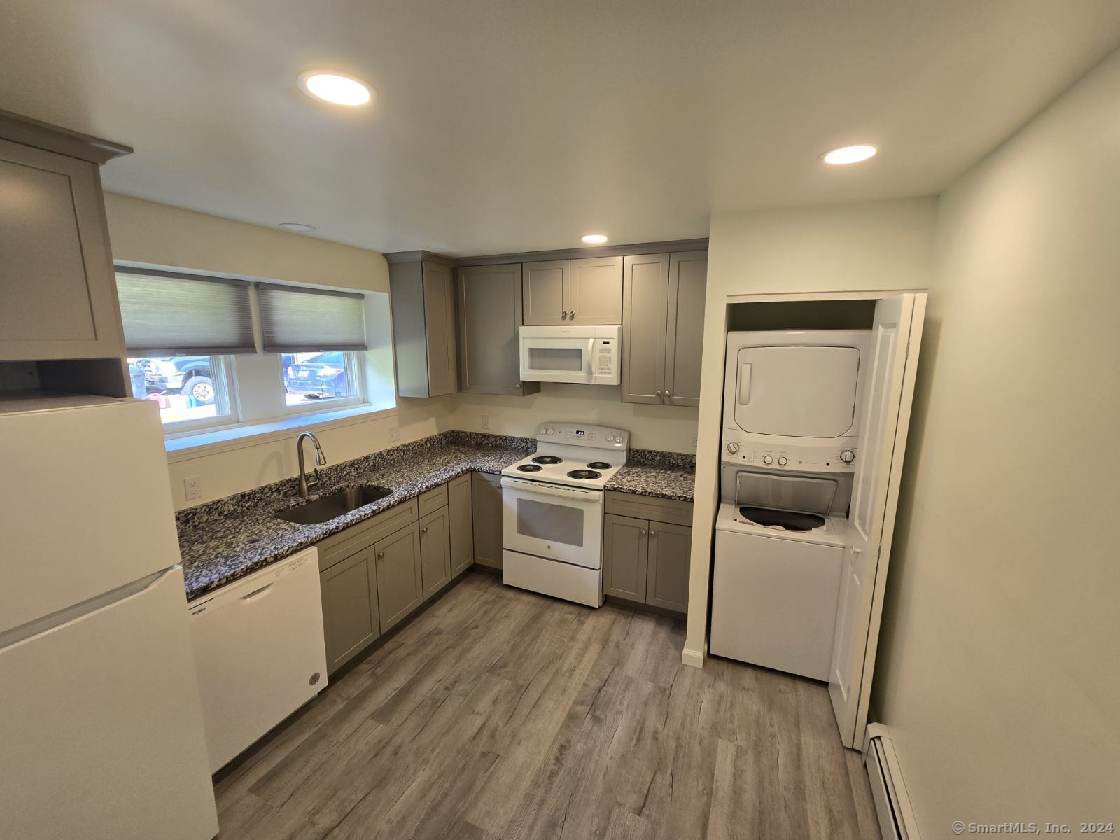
(585, 355)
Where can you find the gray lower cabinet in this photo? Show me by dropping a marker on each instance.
(489, 298)
(423, 306)
(667, 566)
(646, 559)
(435, 553)
(486, 493)
(663, 327)
(399, 585)
(350, 614)
(624, 546)
(460, 515)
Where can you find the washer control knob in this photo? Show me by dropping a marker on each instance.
(782, 460)
(732, 447)
(847, 456)
(768, 459)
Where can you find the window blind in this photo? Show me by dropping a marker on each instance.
(169, 314)
(296, 319)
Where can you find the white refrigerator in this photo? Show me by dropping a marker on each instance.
(100, 722)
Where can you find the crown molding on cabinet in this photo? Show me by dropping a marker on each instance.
(666, 247)
(61, 141)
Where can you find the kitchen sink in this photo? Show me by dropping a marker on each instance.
(333, 505)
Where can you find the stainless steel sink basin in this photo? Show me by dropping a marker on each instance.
(333, 505)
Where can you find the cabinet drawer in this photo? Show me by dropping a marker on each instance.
(433, 499)
(673, 511)
(337, 547)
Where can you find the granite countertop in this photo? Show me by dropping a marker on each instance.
(651, 472)
(230, 538)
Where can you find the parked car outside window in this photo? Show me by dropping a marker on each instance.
(313, 377)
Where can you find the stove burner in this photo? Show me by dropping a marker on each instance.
(598, 465)
(529, 468)
(584, 474)
(547, 459)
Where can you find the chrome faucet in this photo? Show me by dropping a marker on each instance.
(320, 461)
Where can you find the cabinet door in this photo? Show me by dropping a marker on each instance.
(57, 288)
(670, 550)
(459, 519)
(594, 291)
(624, 557)
(399, 588)
(350, 616)
(435, 552)
(439, 317)
(543, 287)
(645, 311)
(486, 492)
(688, 281)
(489, 317)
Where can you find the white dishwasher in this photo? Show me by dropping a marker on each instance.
(259, 650)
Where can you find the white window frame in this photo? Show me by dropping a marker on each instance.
(221, 374)
(355, 375)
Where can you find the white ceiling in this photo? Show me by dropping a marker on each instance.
(508, 126)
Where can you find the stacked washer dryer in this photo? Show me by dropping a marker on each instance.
(791, 440)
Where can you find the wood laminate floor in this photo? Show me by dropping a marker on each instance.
(502, 714)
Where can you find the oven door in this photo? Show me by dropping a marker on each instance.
(551, 521)
(556, 359)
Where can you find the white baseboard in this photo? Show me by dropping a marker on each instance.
(888, 786)
(694, 658)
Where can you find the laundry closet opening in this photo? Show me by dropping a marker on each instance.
(815, 409)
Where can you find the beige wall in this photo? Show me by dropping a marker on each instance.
(159, 234)
(867, 246)
(998, 659)
(651, 426)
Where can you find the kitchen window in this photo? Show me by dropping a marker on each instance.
(192, 391)
(313, 380)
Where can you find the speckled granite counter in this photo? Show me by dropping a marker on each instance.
(650, 472)
(227, 539)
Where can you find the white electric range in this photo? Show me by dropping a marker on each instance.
(553, 519)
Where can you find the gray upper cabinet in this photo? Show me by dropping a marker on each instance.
(486, 498)
(645, 313)
(489, 317)
(566, 292)
(399, 586)
(543, 286)
(435, 555)
(688, 285)
(459, 517)
(58, 296)
(423, 301)
(662, 326)
(594, 291)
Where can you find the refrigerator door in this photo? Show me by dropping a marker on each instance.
(101, 729)
(90, 504)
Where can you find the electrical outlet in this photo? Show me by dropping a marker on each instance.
(192, 488)
(395, 434)
(484, 422)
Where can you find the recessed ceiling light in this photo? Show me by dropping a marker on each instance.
(594, 239)
(297, 227)
(846, 155)
(335, 88)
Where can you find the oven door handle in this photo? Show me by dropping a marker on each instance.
(540, 488)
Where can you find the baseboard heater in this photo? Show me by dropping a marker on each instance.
(888, 788)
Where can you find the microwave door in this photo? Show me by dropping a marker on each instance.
(556, 359)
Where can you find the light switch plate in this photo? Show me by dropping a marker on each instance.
(192, 488)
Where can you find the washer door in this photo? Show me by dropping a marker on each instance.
(798, 391)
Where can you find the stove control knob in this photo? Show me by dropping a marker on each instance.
(847, 456)
(782, 460)
(768, 459)
(732, 447)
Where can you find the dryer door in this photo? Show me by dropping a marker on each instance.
(797, 391)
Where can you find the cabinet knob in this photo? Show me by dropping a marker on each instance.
(652, 532)
(667, 394)
(563, 315)
(424, 530)
(643, 532)
(381, 555)
(571, 314)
